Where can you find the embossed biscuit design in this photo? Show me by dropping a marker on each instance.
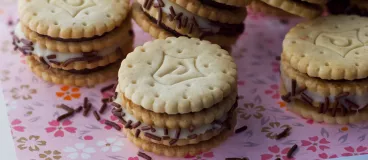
(331, 47)
(72, 19)
(177, 75)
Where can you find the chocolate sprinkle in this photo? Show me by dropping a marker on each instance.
(321, 107)
(103, 108)
(26, 42)
(293, 87)
(301, 90)
(307, 99)
(128, 124)
(178, 16)
(137, 124)
(97, 116)
(79, 109)
(342, 95)
(117, 114)
(153, 129)
(113, 124)
(241, 129)
(159, 17)
(145, 156)
(66, 115)
(115, 104)
(151, 136)
(43, 61)
(165, 137)
(173, 141)
(145, 3)
(172, 11)
(137, 132)
(166, 131)
(87, 109)
(54, 62)
(343, 109)
(146, 128)
(291, 151)
(161, 3)
(122, 120)
(149, 4)
(53, 56)
(283, 134)
(117, 109)
(327, 104)
(65, 107)
(286, 97)
(85, 102)
(177, 134)
(334, 110)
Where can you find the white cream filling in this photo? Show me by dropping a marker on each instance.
(361, 100)
(160, 132)
(202, 22)
(60, 56)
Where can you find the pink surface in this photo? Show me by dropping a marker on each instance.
(32, 113)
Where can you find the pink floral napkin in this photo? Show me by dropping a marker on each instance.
(37, 136)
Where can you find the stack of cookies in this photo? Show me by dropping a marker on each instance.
(79, 43)
(176, 97)
(218, 21)
(288, 8)
(324, 69)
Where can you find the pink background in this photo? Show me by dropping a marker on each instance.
(31, 108)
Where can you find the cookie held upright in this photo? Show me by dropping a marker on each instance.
(177, 96)
(79, 43)
(324, 69)
(219, 23)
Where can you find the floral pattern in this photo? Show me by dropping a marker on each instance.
(273, 129)
(326, 156)
(24, 92)
(315, 143)
(59, 128)
(351, 151)
(273, 91)
(32, 143)
(276, 152)
(4, 75)
(68, 93)
(50, 155)
(250, 110)
(16, 125)
(111, 144)
(79, 151)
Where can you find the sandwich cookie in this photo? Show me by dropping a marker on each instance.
(165, 18)
(324, 69)
(63, 48)
(303, 8)
(177, 96)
